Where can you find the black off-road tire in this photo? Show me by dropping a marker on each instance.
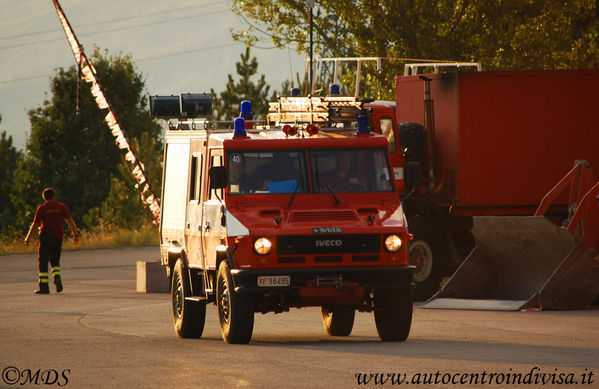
(424, 252)
(188, 316)
(393, 314)
(235, 311)
(337, 320)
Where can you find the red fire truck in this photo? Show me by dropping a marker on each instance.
(282, 216)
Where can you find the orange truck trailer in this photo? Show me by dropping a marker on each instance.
(471, 144)
(487, 144)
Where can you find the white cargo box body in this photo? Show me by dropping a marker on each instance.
(182, 225)
(174, 196)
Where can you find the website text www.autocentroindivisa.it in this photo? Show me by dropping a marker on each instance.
(535, 376)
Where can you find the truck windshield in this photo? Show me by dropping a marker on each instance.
(270, 171)
(350, 170)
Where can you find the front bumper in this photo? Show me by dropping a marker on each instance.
(380, 278)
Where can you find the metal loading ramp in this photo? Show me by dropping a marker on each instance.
(519, 263)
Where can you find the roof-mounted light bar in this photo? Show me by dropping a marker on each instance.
(239, 125)
(246, 110)
(195, 105)
(165, 107)
(188, 105)
(363, 125)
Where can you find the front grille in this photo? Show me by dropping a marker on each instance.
(328, 258)
(365, 258)
(291, 259)
(329, 244)
(302, 216)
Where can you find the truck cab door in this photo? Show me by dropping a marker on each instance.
(193, 224)
(389, 130)
(383, 122)
(213, 230)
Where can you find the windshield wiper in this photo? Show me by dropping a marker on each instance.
(328, 188)
(297, 185)
(320, 180)
(293, 195)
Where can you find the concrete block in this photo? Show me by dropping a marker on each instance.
(151, 278)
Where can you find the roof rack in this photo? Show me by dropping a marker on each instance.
(207, 125)
(314, 110)
(412, 68)
(358, 61)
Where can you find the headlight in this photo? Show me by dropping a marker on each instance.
(262, 246)
(393, 243)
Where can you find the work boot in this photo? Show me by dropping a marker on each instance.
(43, 289)
(58, 283)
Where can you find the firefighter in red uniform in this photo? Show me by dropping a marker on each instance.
(51, 216)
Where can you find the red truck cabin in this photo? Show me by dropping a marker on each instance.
(296, 224)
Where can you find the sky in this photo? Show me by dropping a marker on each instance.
(178, 46)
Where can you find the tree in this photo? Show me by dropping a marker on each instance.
(9, 158)
(501, 34)
(122, 206)
(227, 105)
(76, 153)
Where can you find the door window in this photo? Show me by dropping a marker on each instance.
(389, 132)
(195, 178)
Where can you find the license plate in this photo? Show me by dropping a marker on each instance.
(274, 280)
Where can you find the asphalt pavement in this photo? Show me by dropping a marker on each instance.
(100, 333)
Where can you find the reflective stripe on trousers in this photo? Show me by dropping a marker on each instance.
(43, 278)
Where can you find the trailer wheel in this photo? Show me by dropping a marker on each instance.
(423, 253)
(393, 314)
(188, 316)
(235, 312)
(337, 320)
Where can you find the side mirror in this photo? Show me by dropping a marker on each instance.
(218, 177)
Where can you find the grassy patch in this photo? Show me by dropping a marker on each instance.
(104, 236)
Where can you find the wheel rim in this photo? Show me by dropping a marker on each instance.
(224, 303)
(178, 298)
(421, 256)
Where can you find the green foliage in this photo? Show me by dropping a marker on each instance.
(104, 235)
(76, 154)
(227, 105)
(501, 34)
(9, 158)
(287, 85)
(122, 207)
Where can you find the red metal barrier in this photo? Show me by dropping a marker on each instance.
(583, 205)
(587, 216)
